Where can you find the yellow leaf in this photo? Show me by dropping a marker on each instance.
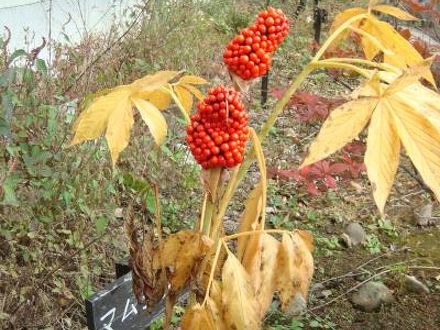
(193, 80)
(185, 97)
(294, 273)
(197, 318)
(180, 255)
(119, 127)
(342, 126)
(197, 93)
(152, 82)
(344, 16)
(382, 155)
(240, 308)
(112, 112)
(267, 273)
(93, 121)
(409, 77)
(424, 100)
(249, 218)
(160, 99)
(421, 140)
(153, 118)
(396, 12)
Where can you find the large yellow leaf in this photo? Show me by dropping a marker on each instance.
(396, 12)
(382, 155)
(294, 272)
(185, 97)
(424, 100)
(153, 118)
(405, 111)
(197, 318)
(342, 126)
(266, 273)
(240, 307)
(421, 140)
(111, 112)
(403, 54)
(119, 127)
(93, 121)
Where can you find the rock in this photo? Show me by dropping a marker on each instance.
(119, 214)
(297, 306)
(424, 216)
(372, 295)
(414, 285)
(354, 234)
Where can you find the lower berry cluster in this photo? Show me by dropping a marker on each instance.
(218, 131)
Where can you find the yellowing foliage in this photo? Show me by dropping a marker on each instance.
(401, 115)
(112, 113)
(400, 110)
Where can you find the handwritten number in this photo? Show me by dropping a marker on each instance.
(132, 310)
(108, 326)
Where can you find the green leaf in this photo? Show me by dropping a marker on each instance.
(101, 224)
(18, 53)
(41, 66)
(9, 186)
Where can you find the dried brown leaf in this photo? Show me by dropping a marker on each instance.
(180, 255)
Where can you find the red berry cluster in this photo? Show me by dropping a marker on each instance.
(249, 54)
(218, 131)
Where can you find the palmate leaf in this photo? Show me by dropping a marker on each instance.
(377, 36)
(402, 112)
(111, 111)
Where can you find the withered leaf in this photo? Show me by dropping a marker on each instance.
(197, 318)
(241, 309)
(148, 283)
(294, 270)
(180, 256)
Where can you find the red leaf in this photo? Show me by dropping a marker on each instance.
(330, 182)
(311, 188)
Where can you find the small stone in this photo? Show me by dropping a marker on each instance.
(355, 234)
(414, 285)
(297, 306)
(424, 216)
(317, 287)
(326, 293)
(372, 295)
(119, 213)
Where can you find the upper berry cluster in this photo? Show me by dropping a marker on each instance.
(249, 54)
